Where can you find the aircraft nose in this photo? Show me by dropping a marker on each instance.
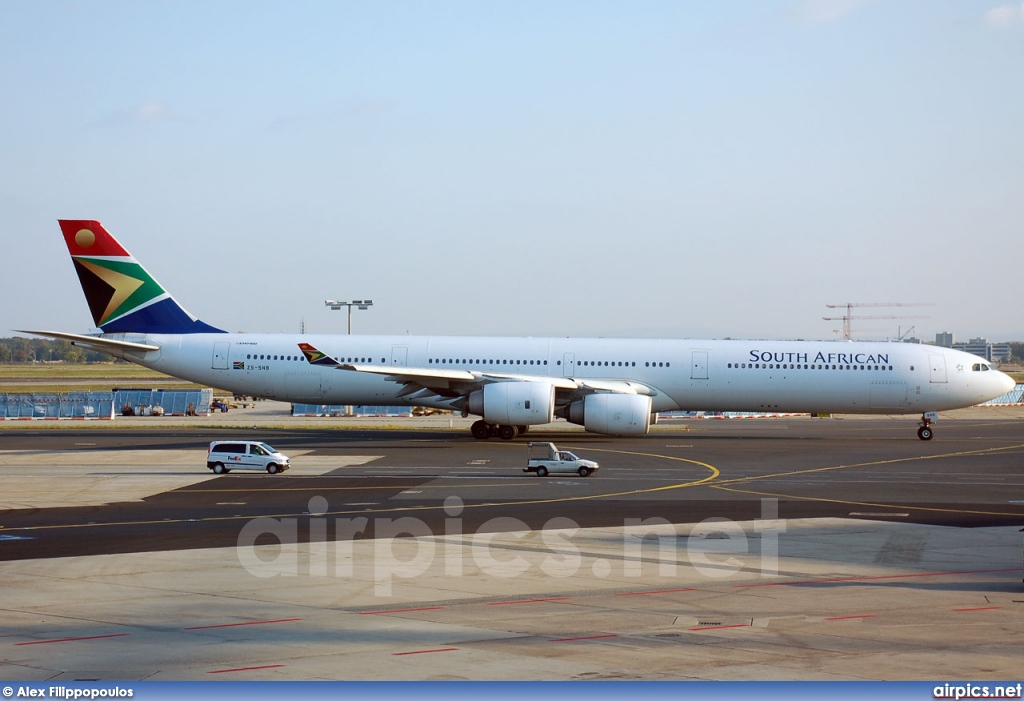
(1007, 383)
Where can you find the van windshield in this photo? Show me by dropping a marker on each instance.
(266, 448)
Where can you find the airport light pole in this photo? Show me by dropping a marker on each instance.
(336, 305)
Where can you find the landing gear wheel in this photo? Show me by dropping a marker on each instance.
(584, 472)
(523, 429)
(480, 430)
(507, 433)
(219, 469)
(542, 472)
(272, 468)
(925, 433)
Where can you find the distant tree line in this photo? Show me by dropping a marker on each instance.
(43, 350)
(1017, 351)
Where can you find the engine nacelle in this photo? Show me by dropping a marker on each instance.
(617, 414)
(514, 403)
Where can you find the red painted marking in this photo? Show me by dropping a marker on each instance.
(425, 608)
(849, 618)
(245, 669)
(980, 608)
(424, 652)
(247, 623)
(528, 601)
(660, 591)
(72, 640)
(737, 625)
(586, 637)
(841, 580)
(100, 244)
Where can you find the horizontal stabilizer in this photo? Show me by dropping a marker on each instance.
(97, 342)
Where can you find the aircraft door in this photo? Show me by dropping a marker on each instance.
(938, 368)
(399, 356)
(699, 366)
(220, 355)
(569, 364)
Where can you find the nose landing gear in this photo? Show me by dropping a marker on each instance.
(925, 431)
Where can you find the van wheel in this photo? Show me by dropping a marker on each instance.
(272, 468)
(542, 472)
(219, 469)
(584, 471)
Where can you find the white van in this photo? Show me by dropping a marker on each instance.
(226, 456)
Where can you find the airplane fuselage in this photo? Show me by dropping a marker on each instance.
(779, 376)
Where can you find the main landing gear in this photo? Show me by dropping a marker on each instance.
(482, 430)
(925, 431)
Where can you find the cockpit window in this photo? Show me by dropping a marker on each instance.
(981, 367)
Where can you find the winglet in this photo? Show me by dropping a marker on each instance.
(315, 356)
(122, 295)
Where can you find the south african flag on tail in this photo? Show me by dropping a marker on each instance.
(122, 295)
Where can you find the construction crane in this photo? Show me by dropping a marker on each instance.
(850, 316)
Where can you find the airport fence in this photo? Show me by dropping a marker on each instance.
(1014, 396)
(171, 402)
(105, 405)
(73, 405)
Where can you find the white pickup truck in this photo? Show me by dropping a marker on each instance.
(546, 459)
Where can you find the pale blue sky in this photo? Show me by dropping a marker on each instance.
(674, 169)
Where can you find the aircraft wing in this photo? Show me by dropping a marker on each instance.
(451, 384)
(94, 342)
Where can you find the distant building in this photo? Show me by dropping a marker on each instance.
(946, 339)
(995, 352)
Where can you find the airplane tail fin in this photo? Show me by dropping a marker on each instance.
(122, 296)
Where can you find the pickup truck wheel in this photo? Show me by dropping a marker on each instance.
(272, 468)
(218, 469)
(507, 433)
(584, 471)
(542, 472)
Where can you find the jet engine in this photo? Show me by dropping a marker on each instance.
(617, 414)
(514, 403)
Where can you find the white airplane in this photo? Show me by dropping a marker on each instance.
(611, 386)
